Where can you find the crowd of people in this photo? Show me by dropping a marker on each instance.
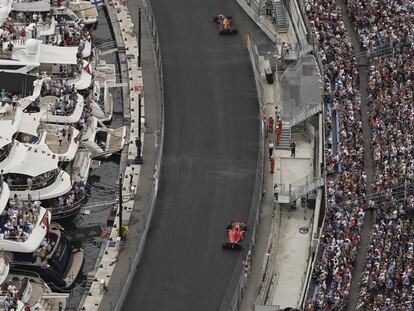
(382, 23)
(388, 277)
(346, 180)
(77, 194)
(18, 219)
(67, 96)
(73, 35)
(24, 25)
(11, 295)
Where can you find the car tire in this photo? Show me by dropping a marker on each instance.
(225, 245)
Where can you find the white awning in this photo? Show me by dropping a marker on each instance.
(85, 79)
(34, 6)
(4, 270)
(35, 53)
(15, 158)
(28, 161)
(6, 133)
(87, 49)
(36, 163)
(30, 123)
(10, 124)
(5, 8)
(4, 196)
(50, 54)
(48, 31)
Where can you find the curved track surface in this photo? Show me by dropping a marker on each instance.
(210, 154)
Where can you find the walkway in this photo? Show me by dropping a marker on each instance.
(368, 165)
(293, 247)
(288, 262)
(142, 205)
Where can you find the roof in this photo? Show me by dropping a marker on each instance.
(30, 123)
(33, 6)
(85, 79)
(5, 7)
(28, 160)
(50, 54)
(4, 196)
(10, 122)
(6, 133)
(4, 270)
(35, 53)
(16, 156)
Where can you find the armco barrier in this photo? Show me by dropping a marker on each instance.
(235, 290)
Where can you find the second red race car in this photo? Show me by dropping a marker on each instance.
(236, 231)
(225, 24)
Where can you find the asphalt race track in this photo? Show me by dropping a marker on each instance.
(210, 154)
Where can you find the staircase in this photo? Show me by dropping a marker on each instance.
(285, 138)
(305, 114)
(306, 49)
(90, 278)
(280, 14)
(310, 185)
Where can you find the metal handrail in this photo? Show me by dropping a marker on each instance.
(67, 206)
(36, 186)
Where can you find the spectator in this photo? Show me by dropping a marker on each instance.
(292, 149)
(29, 182)
(387, 281)
(345, 182)
(271, 146)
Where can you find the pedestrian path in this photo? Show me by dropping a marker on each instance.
(293, 249)
(291, 258)
(101, 279)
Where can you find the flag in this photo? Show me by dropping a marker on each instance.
(87, 68)
(69, 169)
(46, 223)
(97, 2)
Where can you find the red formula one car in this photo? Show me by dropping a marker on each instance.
(236, 231)
(225, 24)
